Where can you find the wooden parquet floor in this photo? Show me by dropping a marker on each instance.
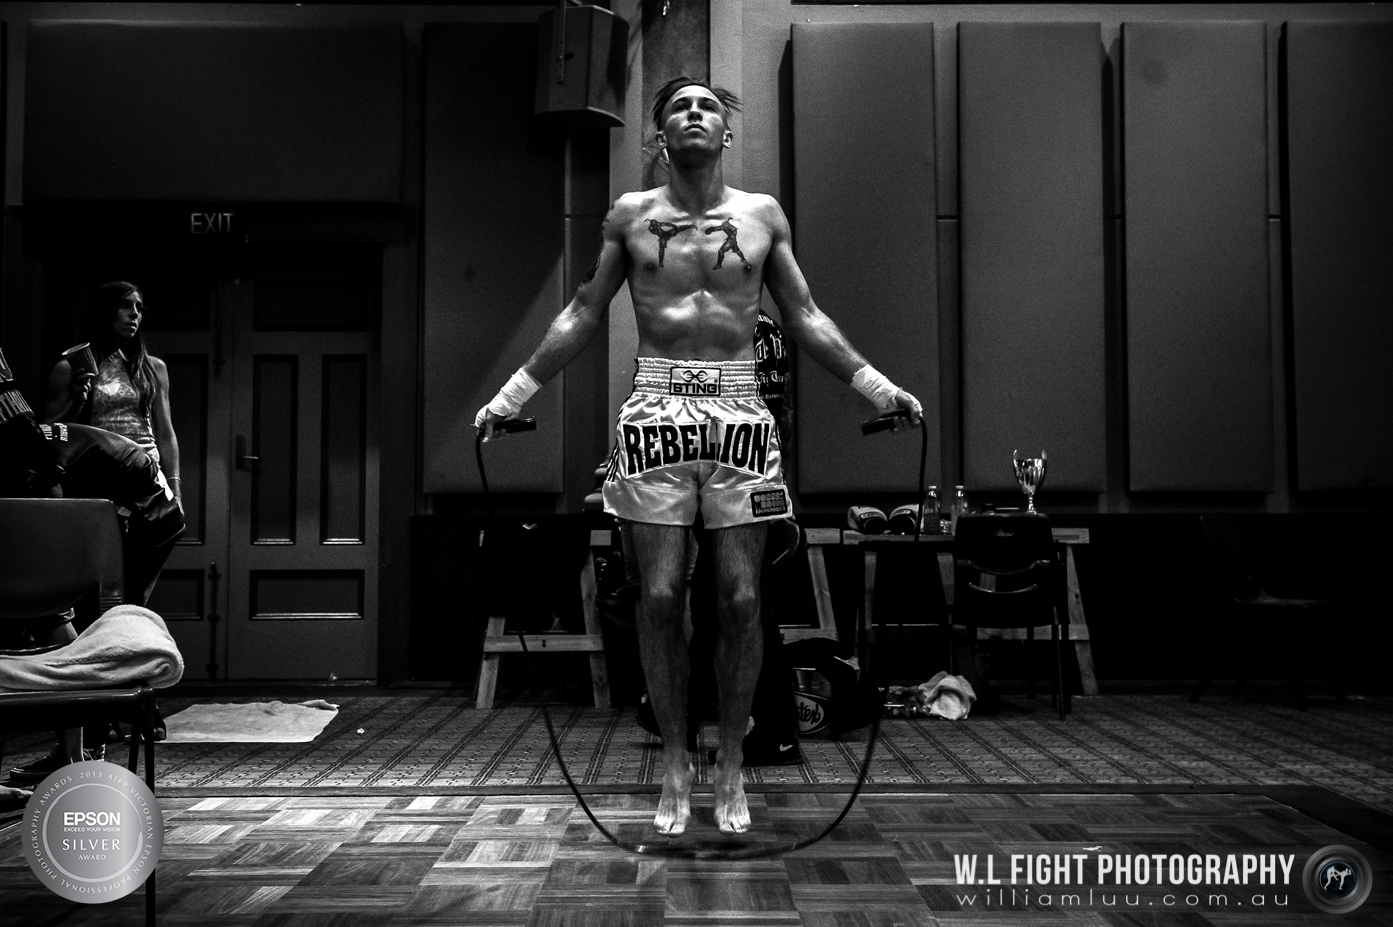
(416, 809)
(536, 861)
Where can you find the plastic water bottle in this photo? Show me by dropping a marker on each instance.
(928, 512)
(959, 508)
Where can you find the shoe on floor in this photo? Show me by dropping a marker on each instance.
(763, 754)
(42, 768)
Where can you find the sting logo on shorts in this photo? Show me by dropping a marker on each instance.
(768, 502)
(694, 381)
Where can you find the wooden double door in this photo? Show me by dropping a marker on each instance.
(273, 363)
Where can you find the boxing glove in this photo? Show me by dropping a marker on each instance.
(866, 518)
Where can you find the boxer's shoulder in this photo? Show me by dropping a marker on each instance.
(636, 205)
(626, 212)
(758, 210)
(760, 207)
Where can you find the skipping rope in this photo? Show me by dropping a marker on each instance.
(727, 850)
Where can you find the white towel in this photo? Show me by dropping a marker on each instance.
(948, 696)
(251, 722)
(126, 645)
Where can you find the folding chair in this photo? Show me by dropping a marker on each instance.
(1007, 576)
(53, 553)
(1249, 616)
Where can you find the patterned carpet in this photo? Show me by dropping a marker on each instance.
(437, 742)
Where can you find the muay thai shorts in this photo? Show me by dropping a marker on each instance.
(696, 436)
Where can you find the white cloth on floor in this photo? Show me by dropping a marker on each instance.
(251, 722)
(127, 645)
(948, 696)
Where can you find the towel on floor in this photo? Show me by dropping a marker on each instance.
(126, 645)
(250, 722)
(948, 696)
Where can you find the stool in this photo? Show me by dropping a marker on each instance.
(822, 592)
(497, 643)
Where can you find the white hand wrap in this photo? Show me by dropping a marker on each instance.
(515, 392)
(872, 384)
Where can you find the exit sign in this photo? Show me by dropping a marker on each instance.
(213, 223)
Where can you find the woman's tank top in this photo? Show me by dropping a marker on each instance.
(116, 405)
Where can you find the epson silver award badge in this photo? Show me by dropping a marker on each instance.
(93, 832)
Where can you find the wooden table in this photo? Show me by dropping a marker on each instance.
(871, 544)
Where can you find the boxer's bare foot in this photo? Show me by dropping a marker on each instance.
(732, 811)
(675, 805)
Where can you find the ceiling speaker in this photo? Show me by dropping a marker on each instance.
(581, 66)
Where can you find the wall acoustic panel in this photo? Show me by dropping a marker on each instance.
(865, 236)
(1340, 135)
(494, 244)
(231, 113)
(1199, 345)
(1031, 198)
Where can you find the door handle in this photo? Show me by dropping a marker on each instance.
(245, 461)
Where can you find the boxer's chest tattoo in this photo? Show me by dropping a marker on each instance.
(666, 231)
(730, 246)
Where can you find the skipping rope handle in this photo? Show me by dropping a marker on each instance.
(886, 422)
(512, 425)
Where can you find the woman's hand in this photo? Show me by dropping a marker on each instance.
(81, 388)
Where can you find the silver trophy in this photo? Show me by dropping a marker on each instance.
(1030, 473)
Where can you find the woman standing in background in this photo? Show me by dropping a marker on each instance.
(129, 392)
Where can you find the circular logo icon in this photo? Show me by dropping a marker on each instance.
(93, 832)
(1337, 879)
(813, 716)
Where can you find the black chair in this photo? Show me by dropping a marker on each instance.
(53, 554)
(1246, 616)
(1006, 576)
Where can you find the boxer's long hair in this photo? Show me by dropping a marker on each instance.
(730, 103)
(96, 327)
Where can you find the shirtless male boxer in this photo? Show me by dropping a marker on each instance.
(694, 434)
